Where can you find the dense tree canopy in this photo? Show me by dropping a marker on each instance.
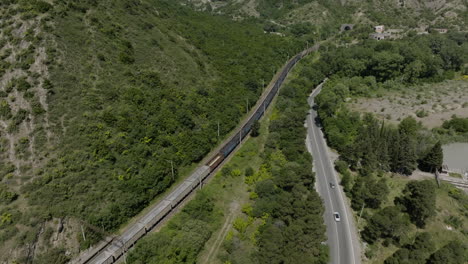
(369, 192)
(453, 253)
(419, 201)
(458, 124)
(416, 253)
(433, 159)
(388, 222)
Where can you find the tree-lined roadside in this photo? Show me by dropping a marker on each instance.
(375, 154)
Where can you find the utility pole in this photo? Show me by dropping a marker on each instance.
(247, 103)
(82, 232)
(218, 129)
(360, 213)
(172, 168)
(199, 181)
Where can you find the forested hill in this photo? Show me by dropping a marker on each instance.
(319, 19)
(98, 98)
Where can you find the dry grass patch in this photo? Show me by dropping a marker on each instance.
(431, 104)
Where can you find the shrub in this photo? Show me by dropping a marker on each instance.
(421, 113)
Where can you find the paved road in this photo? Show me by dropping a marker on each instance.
(342, 236)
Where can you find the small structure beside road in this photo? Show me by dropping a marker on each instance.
(379, 29)
(380, 36)
(381, 33)
(440, 30)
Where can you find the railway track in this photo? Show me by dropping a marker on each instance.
(456, 183)
(112, 250)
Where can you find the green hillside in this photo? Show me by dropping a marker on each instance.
(98, 99)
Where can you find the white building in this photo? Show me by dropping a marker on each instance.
(379, 29)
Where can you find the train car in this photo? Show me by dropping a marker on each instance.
(104, 258)
(132, 235)
(116, 248)
(214, 162)
(199, 175)
(256, 116)
(253, 118)
(109, 260)
(193, 180)
(206, 171)
(231, 145)
(179, 193)
(244, 132)
(268, 99)
(162, 210)
(156, 214)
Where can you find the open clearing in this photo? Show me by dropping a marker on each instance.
(431, 104)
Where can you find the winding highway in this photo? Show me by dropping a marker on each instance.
(342, 236)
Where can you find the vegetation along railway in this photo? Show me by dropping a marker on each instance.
(111, 250)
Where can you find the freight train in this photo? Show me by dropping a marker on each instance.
(118, 246)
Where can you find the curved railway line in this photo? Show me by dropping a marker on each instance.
(113, 248)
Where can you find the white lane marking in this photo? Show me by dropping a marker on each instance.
(341, 200)
(328, 191)
(340, 194)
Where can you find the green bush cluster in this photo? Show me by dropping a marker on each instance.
(460, 125)
(37, 6)
(7, 196)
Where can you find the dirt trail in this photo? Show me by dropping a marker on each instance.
(222, 234)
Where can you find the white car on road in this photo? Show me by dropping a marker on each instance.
(336, 215)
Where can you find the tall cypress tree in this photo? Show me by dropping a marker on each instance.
(433, 159)
(408, 161)
(403, 154)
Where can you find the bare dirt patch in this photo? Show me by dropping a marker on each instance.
(431, 104)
